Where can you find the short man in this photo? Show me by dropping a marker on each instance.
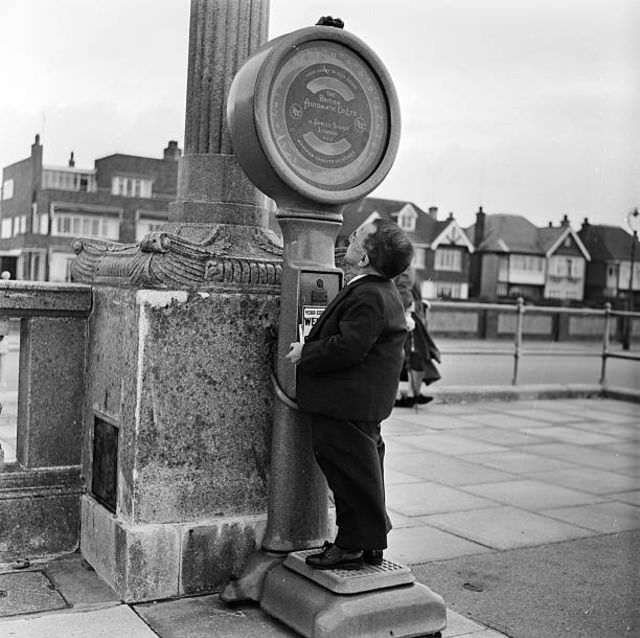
(347, 377)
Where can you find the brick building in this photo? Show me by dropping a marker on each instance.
(442, 249)
(609, 274)
(44, 208)
(514, 258)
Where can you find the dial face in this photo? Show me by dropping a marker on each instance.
(328, 115)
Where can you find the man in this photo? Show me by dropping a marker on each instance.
(347, 377)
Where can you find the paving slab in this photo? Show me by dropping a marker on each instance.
(605, 518)
(440, 422)
(532, 495)
(619, 430)
(458, 625)
(424, 544)
(627, 497)
(102, 623)
(447, 470)
(624, 447)
(400, 520)
(519, 461)
(575, 435)
(449, 444)
(504, 437)
(506, 527)
(543, 416)
(28, 592)
(589, 480)
(77, 581)
(584, 455)
(392, 476)
(510, 421)
(417, 499)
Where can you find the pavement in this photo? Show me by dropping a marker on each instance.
(524, 515)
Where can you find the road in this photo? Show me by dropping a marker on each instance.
(470, 362)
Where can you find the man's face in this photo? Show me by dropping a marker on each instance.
(357, 240)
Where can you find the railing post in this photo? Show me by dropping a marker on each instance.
(518, 340)
(605, 343)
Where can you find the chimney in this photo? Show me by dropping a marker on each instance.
(479, 230)
(550, 225)
(565, 221)
(72, 162)
(36, 168)
(433, 212)
(585, 224)
(450, 216)
(172, 152)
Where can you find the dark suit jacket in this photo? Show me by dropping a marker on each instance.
(352, 357)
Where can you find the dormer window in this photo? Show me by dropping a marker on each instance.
(407, 218)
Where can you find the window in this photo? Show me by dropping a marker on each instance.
(527, 262)
(69, 180)
(60, 267)
(5, 228)
(407, 218)
(146, 226)
(448, 259)
(448, 290)
(569, 267)
(130, 186)
(420, 258)
(87, 225)
(503, 270)
(7, 189)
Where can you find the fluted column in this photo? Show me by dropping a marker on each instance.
(212, 188)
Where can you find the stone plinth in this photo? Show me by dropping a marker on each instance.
(184, 377)
(39, 511)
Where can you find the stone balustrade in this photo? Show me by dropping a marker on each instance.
(40, 492)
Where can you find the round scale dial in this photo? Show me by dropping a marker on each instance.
(328, 115)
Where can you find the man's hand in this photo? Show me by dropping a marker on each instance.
(295, 353)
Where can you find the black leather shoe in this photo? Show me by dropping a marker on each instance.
(421, 398)
(405, 402)
(334, 557)
(372, 556)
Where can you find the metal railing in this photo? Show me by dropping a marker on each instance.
(520, 309)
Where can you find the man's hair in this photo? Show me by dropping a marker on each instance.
(390, 250)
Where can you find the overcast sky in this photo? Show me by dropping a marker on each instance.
(529, 107)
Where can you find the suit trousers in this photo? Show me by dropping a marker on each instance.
(351, 455)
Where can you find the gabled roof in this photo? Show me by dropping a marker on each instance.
(450, 233)
(356, 213)
(508, 234)
(608, 243)
(551, 237)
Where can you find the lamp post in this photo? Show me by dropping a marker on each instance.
(633, 218)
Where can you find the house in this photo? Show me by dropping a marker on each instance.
(442, 248)
(44, 208)
(612, 252)
(514, 258)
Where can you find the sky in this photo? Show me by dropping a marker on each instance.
(529, 107)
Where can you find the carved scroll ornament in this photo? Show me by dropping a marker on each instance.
(170, 261)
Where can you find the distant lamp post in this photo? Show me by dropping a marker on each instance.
(633, 220)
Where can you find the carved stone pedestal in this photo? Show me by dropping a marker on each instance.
(177, 451)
